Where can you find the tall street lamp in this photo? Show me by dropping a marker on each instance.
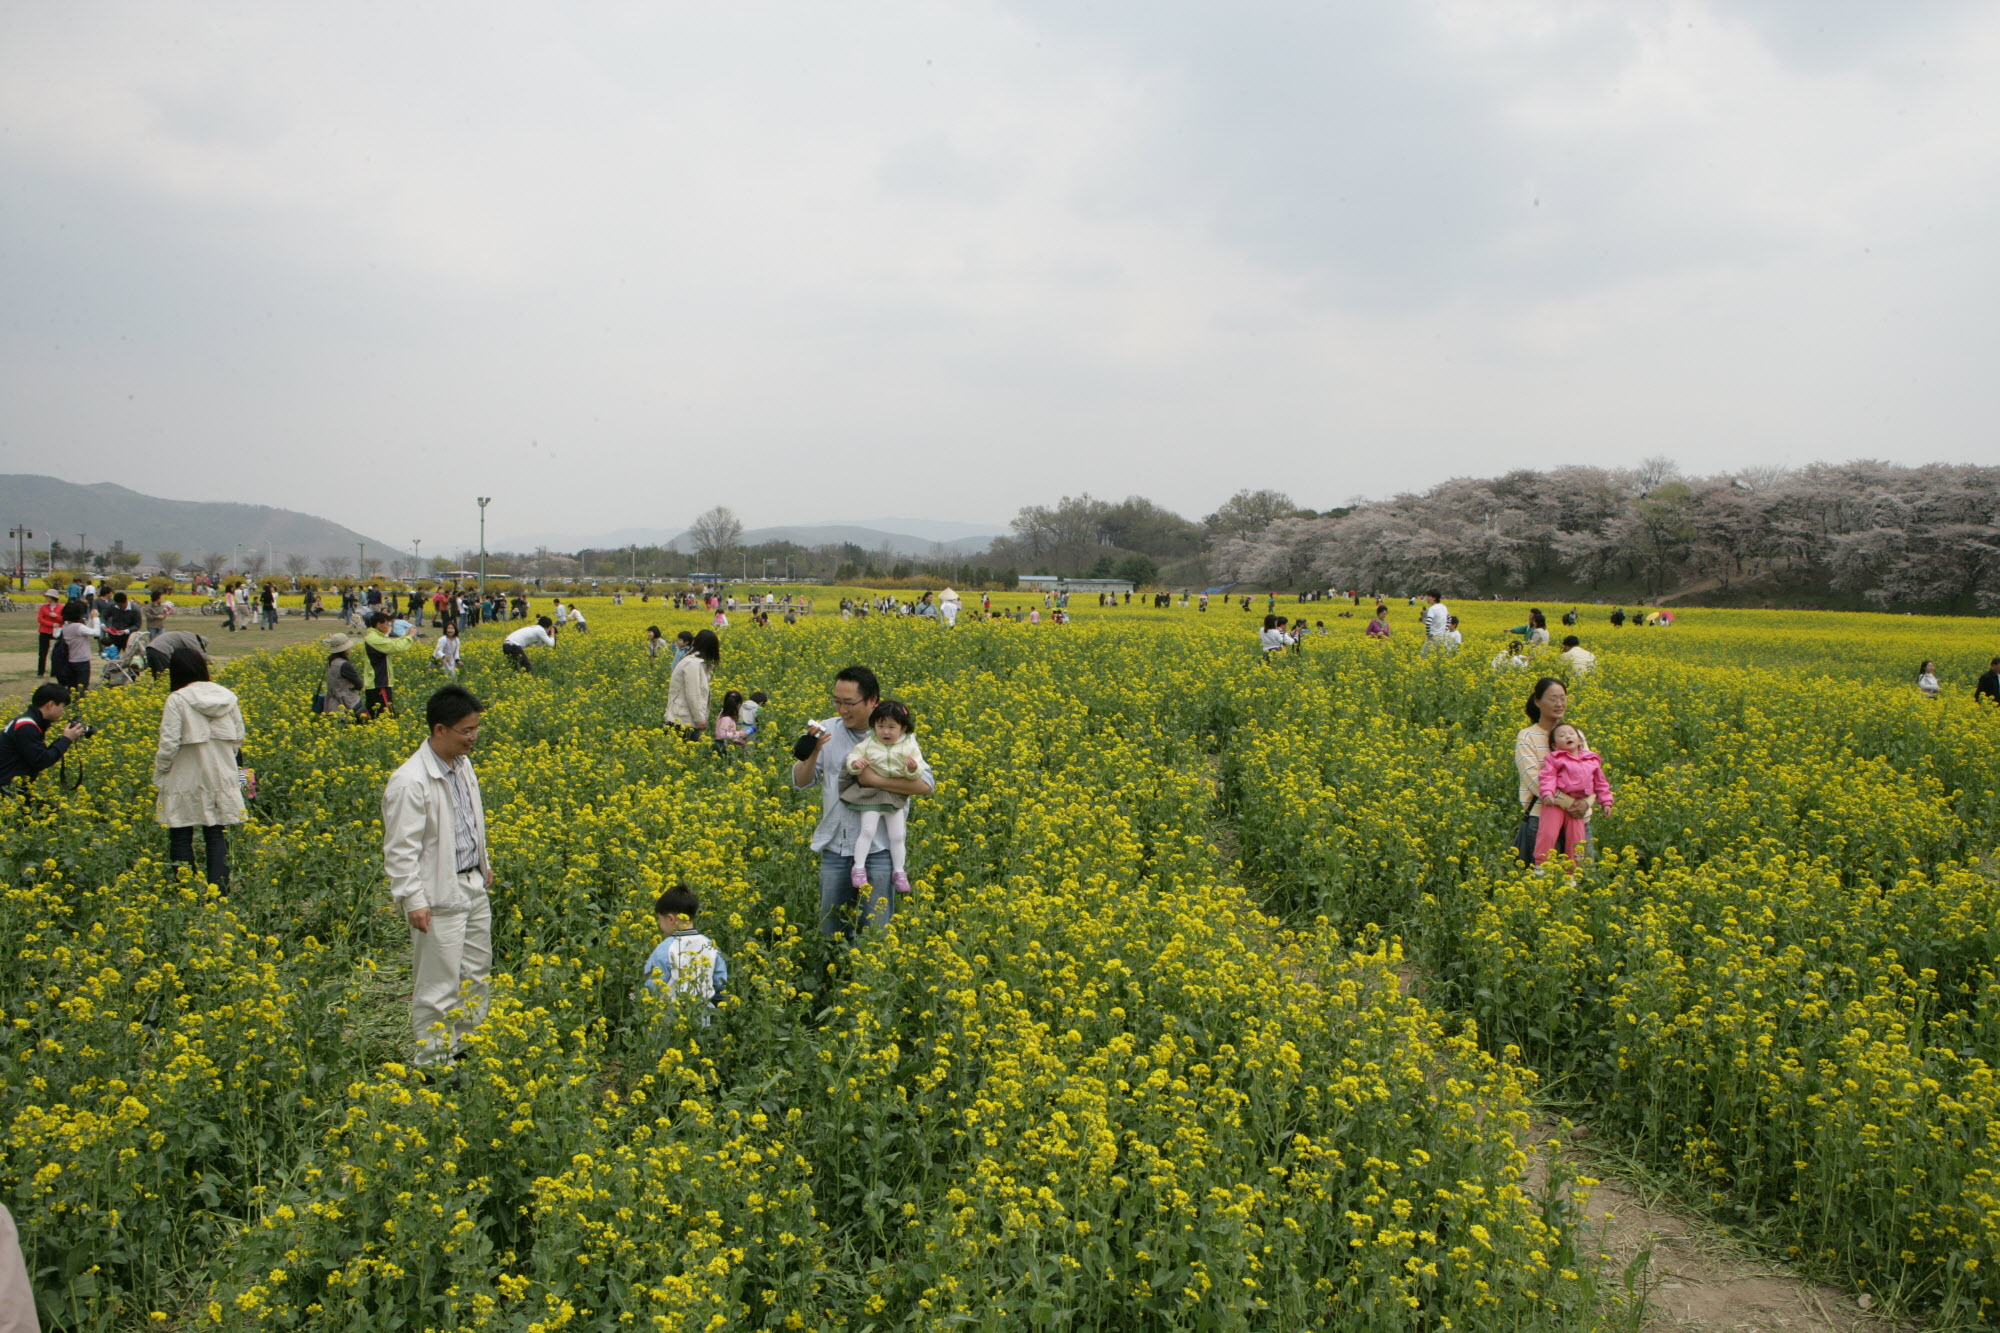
(484, 500)
(20, 536)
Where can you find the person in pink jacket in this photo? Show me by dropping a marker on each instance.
(1570, 777)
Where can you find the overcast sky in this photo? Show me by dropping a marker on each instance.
(613, 265)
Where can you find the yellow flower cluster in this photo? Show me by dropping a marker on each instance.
(1083, 1079)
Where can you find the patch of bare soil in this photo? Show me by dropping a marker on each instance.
(1697, 1279)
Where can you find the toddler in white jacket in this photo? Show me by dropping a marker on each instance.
(890, 750)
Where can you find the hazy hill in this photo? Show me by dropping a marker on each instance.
(103, 513)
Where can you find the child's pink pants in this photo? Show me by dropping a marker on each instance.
(1552, 822)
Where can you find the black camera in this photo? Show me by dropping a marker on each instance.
(88, 732)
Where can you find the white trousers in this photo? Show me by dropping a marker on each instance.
(450, 962)
(895, 821)
(17, 1298)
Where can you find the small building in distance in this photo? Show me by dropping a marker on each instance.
(1057, 583)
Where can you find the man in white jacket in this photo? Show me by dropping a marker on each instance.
(434, 850)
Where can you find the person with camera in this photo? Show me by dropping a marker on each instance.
(383, 646)
(195, 767)
(515, 646)
(820, 755)
(26, 750)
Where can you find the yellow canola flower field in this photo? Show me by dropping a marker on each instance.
(1082, 1081)
(1777, 979)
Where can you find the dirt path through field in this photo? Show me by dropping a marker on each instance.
(1696, 1278)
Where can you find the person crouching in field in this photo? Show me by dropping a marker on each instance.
(1571, 778)
(515, 646)
(686, 964)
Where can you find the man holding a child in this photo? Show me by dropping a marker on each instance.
(818, 757)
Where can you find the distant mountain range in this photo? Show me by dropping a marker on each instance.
(902, 536)
(102, 513)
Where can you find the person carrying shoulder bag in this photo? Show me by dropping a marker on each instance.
(340, 689)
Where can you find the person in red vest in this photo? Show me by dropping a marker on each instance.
(48, 624)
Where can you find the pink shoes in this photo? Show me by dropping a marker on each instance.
(858, 877)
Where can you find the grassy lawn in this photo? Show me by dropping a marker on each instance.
(17, 644)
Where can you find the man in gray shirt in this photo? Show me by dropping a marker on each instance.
(818, 757)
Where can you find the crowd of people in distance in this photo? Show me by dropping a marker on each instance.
(864, 758)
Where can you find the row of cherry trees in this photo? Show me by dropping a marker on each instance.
(1902, 537)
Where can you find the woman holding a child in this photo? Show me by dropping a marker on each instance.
(1547, 703)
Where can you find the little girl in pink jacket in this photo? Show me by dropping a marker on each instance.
(1574, 775)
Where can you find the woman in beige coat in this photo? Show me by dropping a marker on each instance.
(687, 691)
(195, 768)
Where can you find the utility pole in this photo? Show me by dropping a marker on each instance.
(360, 561)
(82, 546)
(20, 536)
(484, 500)
(417, 554)
(236, 563)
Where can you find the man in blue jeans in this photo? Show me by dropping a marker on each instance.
(818, 757)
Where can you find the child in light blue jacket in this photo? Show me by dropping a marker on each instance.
(686, 964)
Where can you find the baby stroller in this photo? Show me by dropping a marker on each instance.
(123, 668)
